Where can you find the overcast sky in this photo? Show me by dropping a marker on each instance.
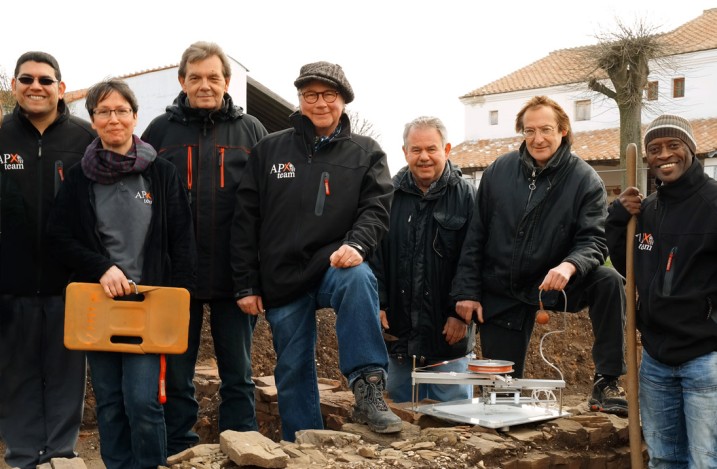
(404, 58)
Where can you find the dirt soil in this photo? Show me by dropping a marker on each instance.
(570, 351)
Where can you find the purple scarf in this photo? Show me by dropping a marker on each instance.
(107, 167)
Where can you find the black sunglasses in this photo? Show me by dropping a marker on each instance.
(28, 80)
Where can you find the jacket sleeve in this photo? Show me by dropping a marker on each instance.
(616, 232)
(245, 229)
(589, 246)
(467, 283)
(65, 233)
(373, 214)
(182, 249)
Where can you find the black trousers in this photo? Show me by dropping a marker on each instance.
(602, 291)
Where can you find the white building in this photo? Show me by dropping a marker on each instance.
(683, 83)
(157, 88)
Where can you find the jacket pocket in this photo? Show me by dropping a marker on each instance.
(324, 191)
(448, 236)
(669, 272)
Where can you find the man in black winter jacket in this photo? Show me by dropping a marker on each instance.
(675, 257)
(538, 229)
(431, 210)
(208, 139)
(42, 384)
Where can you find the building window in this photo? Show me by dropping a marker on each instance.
(652, 89)
(678, 88)
(493, 117)
(582, 110)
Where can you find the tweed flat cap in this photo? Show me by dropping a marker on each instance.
(329, 73)
(669, 125)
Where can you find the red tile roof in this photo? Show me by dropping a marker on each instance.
(593, 146)
(567, 66)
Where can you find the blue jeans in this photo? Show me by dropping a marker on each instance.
(399, 381)
(42, 384)
(232, 334)
(678, 409)
(129, 416)
(353, 294)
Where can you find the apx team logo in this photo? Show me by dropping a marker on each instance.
(283, 170)
(9, 161)
(645, 241)
(144, 196)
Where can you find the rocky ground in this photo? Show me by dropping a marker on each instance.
(576, 441)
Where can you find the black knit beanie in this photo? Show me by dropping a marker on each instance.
(668, 125)
(329, 73)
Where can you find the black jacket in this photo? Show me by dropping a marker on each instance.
(169, 254)
(675, 258)
(210, 150)
(32, 168)
(296, 206)
(417, 262)
(526, 222)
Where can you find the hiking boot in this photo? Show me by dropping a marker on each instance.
(608, 397)
(370, 407)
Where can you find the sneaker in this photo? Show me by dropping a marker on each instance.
(608, 397)
(370, 407)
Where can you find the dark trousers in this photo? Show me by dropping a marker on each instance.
(42, 384)
(232, 332)
(602, 291)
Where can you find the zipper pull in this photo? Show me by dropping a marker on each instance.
(531, 186)
(326, 185)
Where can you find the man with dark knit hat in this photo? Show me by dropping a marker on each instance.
(675, 259)
(312, 206)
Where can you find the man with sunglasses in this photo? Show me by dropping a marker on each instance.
(312, 206)
(41, 382)
(538, 228)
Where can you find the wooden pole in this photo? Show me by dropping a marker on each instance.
(633, 405)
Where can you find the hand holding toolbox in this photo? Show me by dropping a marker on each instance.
(153, 320)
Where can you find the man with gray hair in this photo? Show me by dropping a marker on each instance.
(296, 249)
(208, 139)
(431, 211)
(675, 258)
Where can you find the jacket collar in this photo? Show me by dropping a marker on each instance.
(305, 128)
(63, 113)
(182, 111)
(562, 154)
(403, 180)
(688, 184)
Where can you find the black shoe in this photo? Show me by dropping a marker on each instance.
(371, 408)
(608, 397)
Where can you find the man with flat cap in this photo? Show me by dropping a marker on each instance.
(312, 205)
(675, 259)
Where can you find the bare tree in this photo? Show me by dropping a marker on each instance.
(625, 56)
(361, 126)
(7, 99)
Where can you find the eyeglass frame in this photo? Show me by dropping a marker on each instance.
(545, 131)
(119, 113)
(336, 94)
(43, 81)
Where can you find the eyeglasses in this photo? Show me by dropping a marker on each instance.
(544, 131)
(312, 96)
(656, 149)
(121, 113)
(44, 81)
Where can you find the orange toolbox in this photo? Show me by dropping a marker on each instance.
(153, 320)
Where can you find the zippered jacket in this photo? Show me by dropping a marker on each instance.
(295, 207)
(32, 168)
(169, 252)
(210, 150)
(417, 262)
(527, 221)
(675, 259)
